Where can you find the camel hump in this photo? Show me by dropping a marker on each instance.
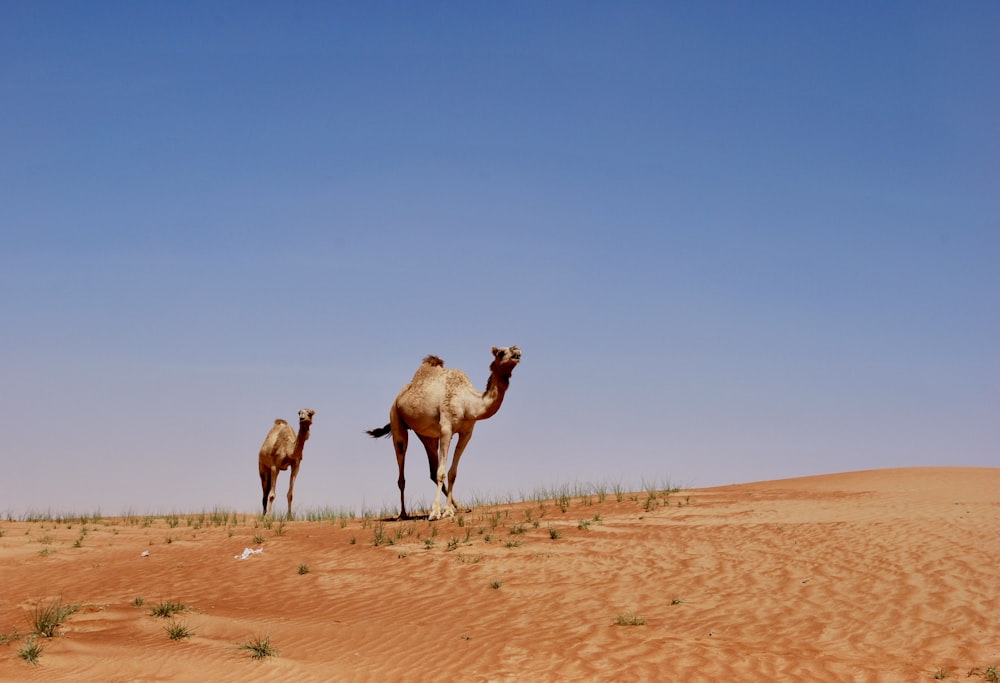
(434, 361)
(279, 421)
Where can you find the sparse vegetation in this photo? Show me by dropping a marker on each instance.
(45, 619)
(30, 651)
(379, 537)
(167, 609)
(988, 674)
(303, 568)
(630, 619)
(495, 585)
(138, 602)
(259, 647)
(176, 630)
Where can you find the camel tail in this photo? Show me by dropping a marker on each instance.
(379, 432)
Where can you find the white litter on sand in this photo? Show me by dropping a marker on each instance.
(247, 552)
(145, 553)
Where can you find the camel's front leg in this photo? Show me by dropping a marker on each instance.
(291, 485)
(463, 441)
(444, 443)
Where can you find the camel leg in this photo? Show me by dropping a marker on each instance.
(265, 484)
(291, 485)
(273, 490)
(444, 443)
(400, 436)
(463, 441)
(431, 446)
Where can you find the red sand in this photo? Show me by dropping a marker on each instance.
(888, 575)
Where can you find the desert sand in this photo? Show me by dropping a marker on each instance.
(883, 575)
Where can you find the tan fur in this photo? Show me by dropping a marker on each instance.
(282, 449)
(437, 404)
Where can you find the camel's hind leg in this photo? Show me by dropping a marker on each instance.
(269, 495)
(400, 436)
(431, 446)
(265, 484)
(444, 443)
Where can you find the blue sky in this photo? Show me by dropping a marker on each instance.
(735, 241)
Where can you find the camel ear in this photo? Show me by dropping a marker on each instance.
(495, 349)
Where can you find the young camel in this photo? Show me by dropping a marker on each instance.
(282, 449)
(436, 405)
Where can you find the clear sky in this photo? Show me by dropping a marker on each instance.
(735, 241)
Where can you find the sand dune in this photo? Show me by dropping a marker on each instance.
(886, 575)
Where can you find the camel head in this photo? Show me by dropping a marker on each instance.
(505, 358)
(306, 416)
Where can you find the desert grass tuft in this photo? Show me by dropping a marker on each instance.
(45, 619)
(176, 630)
(379, 535)
(303, 568)
(167, 609)
(30, 651)
(259, 647)
(630, 619)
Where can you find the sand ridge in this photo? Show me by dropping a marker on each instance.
(885, 575)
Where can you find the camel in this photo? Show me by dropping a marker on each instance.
(282, 449)
(436, 405)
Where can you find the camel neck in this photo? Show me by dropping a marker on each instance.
(302, 436)
(496, 387)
